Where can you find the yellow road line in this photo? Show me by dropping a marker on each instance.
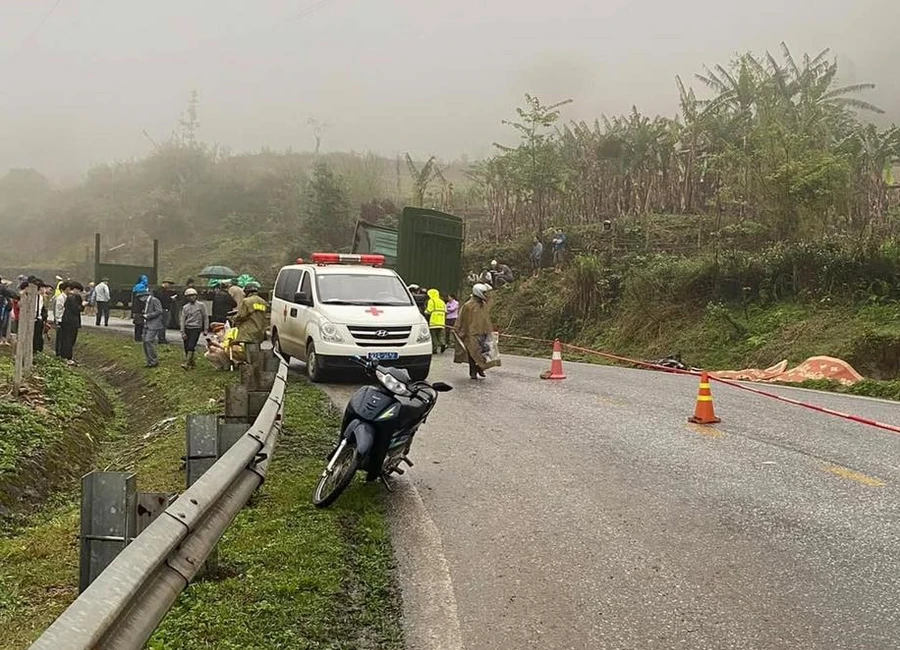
(851, 475)
(704, 430)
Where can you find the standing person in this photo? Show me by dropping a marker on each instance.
(537, 252)
(436, 310)
(452, 315)
(137, 306)
(58, 309)
(559, 249)
(6, 296)
(164, 294)
(90, 299)
(71, 321)
(40, 317)
(222, 303)
(101, 296)
(153, 320)
(194, 321)
(473, 329)
(419, 297)
(252, 316)
(236, 293)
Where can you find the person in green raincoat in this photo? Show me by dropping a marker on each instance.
(473, 330)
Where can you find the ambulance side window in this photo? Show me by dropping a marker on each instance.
(287, 283)
(306, 286)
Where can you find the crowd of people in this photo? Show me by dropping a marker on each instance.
(500, 275)
(57, 309)
(239, 316)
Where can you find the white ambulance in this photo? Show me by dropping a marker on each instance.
(339, 306)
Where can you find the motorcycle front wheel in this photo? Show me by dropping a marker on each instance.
(334, 481)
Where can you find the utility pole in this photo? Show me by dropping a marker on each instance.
(24, 362)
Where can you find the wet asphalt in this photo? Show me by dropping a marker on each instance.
(587, 513)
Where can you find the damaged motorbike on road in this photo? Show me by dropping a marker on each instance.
(377, 431)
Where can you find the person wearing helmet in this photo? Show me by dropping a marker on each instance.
(252, 316)
(473, 331)
(194, 321)
(501, 274)
(419, 297)
(236, 293)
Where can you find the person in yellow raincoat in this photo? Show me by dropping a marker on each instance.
(224, 351)
(436, 310)
(473, 332)
(253, 316)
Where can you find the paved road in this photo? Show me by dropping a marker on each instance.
(587, 514)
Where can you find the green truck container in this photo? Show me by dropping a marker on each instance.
(426, 248)
(122, 277)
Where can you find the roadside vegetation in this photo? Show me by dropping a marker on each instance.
(288, 575)
(759, 222)
(291, 576)
(49, 436)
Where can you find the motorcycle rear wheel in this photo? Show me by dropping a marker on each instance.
(332, 484)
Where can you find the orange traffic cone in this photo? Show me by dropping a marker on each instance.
(556, 369)
(704, 412)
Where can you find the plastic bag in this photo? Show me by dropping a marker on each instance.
(490, 347)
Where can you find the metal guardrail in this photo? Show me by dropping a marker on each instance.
(124, 605)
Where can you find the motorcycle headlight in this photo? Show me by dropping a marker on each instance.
(393, 384)
(424, 334)
(330, 332)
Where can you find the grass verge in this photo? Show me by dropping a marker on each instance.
(48, 436)
(291, 576)
(39, 554)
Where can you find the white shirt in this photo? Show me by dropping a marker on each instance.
(101, 292)
(59, 305)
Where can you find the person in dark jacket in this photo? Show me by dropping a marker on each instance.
(152, 313)
(40, 316)
(222, 303)
(167, 300)
(71, 322)
(419, 296)
(137, 307)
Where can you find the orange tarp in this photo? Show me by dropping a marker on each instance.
(812, 368)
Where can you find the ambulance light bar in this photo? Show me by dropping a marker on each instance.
(342, 258)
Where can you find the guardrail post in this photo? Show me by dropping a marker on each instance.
(149, 506)
(228, 434)
(202, 445)
(272, 362)
(108, 521)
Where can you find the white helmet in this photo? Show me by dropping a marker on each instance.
(480, 290)
(494, 263)
(190, 291)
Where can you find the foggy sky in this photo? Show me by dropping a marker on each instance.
(388, 75)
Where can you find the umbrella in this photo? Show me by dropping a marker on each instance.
(218, 272)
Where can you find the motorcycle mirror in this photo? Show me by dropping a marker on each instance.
(441, 387)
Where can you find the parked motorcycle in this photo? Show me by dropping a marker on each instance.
(378, 428)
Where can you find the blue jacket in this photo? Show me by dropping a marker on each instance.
(142, 285)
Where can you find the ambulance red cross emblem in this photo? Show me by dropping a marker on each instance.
(374, 311)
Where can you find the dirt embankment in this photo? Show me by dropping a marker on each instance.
(67, 423)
